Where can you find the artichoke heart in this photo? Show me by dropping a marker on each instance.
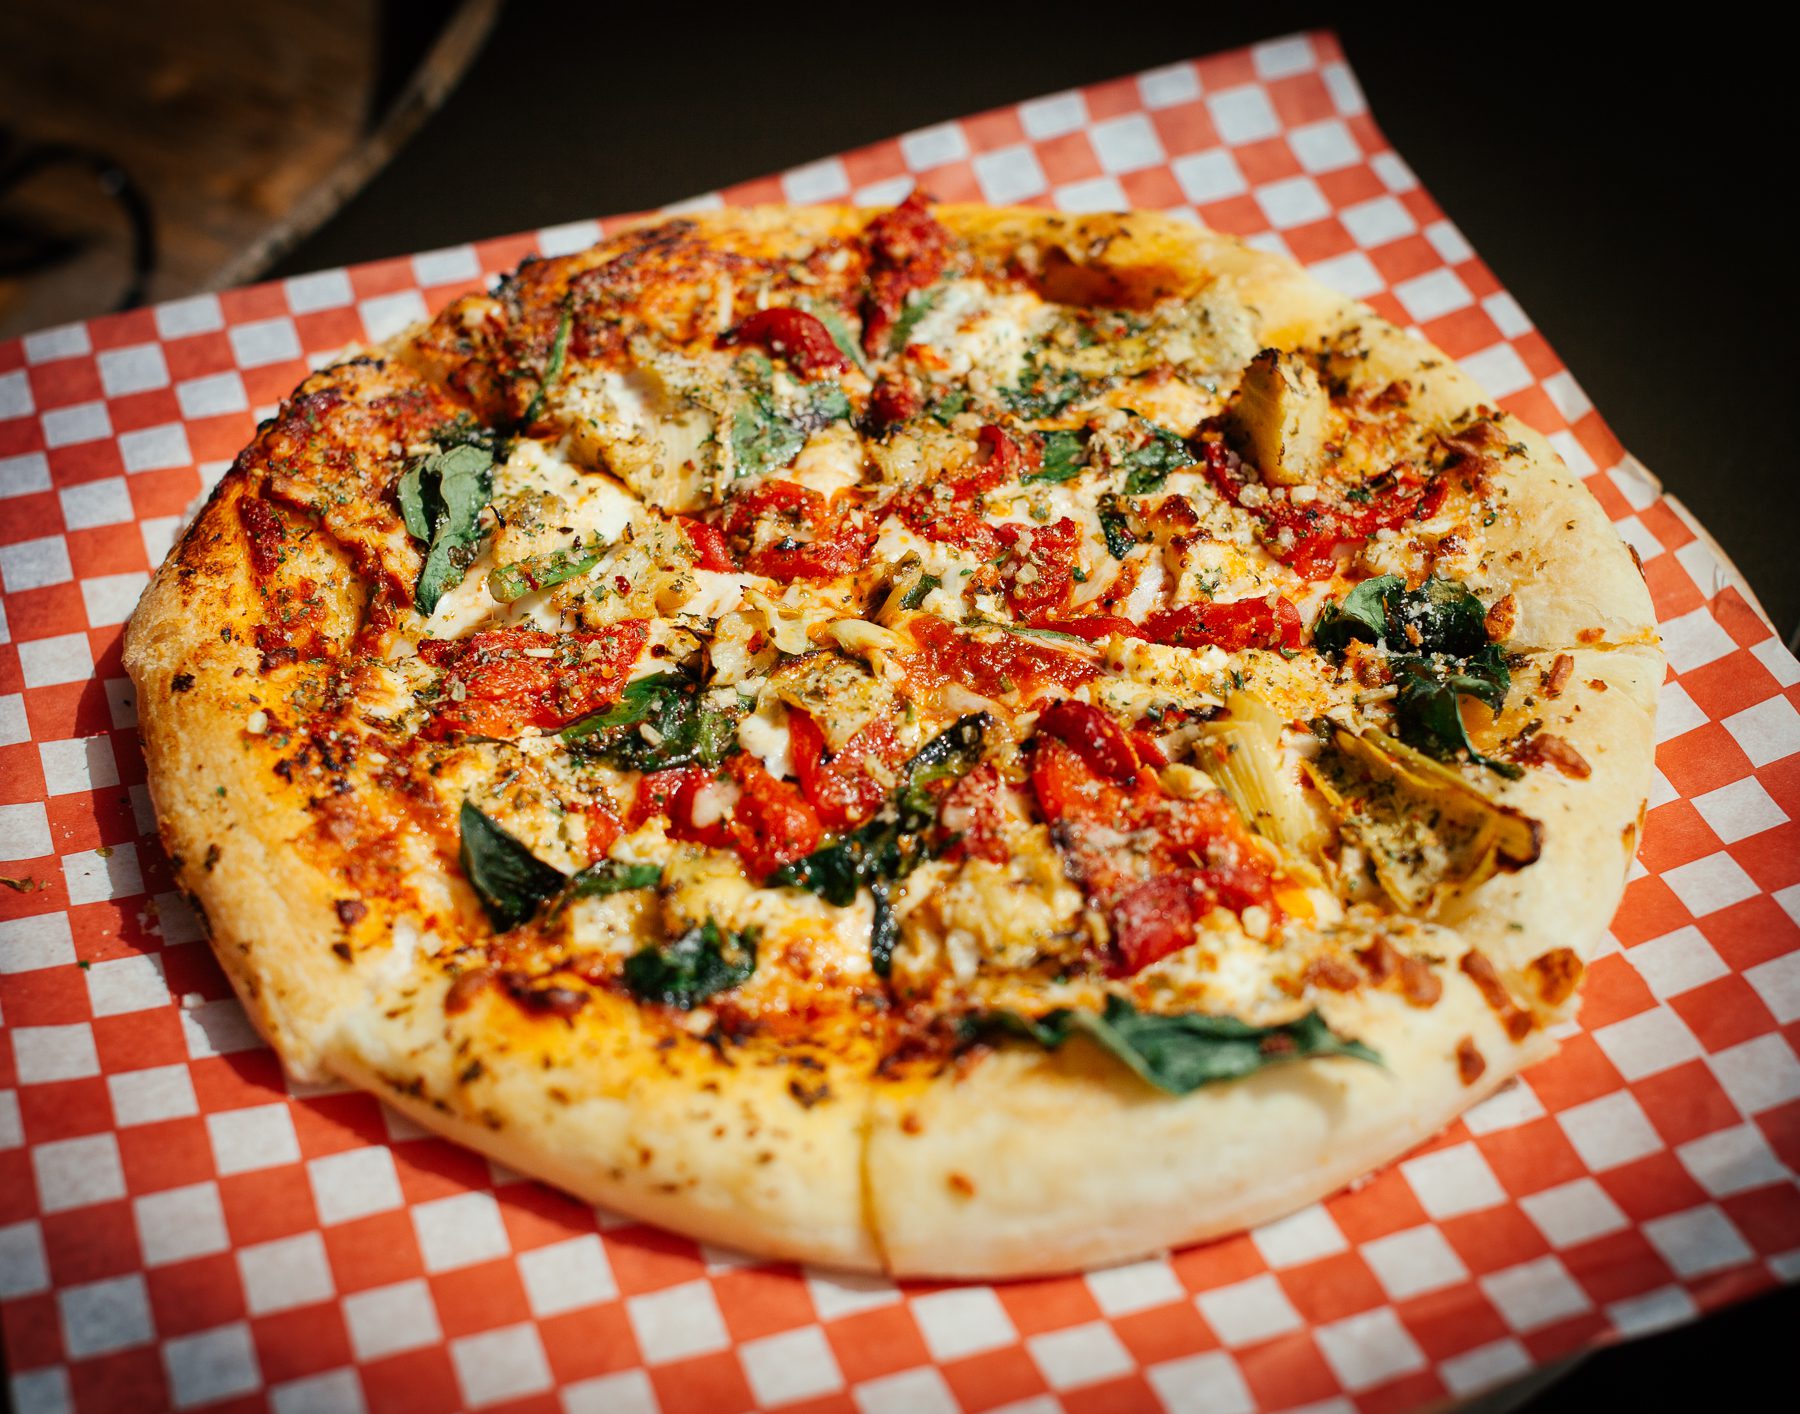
(1242, 752)
(1426, 832)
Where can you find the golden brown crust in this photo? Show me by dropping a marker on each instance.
(1022, 1161)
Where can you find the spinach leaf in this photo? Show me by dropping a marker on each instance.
(1065, 456)
(511, 881)
(1116, 528)
(1440, 652)
(1363, 615)
(828, 403)
(509, 582)
(703, 961)
(553, 369)
(1043, 392)
(945, 409)
(441, 499)
(682, 731)
(1428, 710)
(1181, 1053)
(1148, 466)
(609, 876)
(890, 846)
(918, 593)
(918, 304)
(761, 438)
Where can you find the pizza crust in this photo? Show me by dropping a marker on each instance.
(1023, 1162)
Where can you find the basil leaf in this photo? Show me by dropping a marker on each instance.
(1180, 1053)
(441, 500)
(511, 882)
(1043, 392)
(509, 582)
(1363, 615)
(829, 403)
(1065, 457)
(917, 594)
(1114, 525)
(702, 962)
(1149, 465)
(890, 846)
(553, 369)
(686, 733)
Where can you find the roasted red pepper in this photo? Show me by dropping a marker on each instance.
(1305, 535)
(501, 680)
(801, 338)
(837, 533)
(710, 550)
(1041, 571)
(772, 823)
(839, 786)
(1154, 863)
(907, 251)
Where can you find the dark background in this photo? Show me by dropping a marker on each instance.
(1625, 188)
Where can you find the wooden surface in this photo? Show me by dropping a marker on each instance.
(244, 123)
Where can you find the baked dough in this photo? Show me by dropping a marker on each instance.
(791, 493)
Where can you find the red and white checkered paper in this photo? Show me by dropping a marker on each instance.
(181, 1227)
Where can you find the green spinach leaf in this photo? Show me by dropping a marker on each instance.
(945, 409)
(1440, 652)
(553, 369)
(1428, 710)
(1149, 465)
(918, 304)
(511, 882)
(1043, 392)
(920, 591)
(1180, 1053)
(609, 876)
(1065, 457)
(702, 962)
(683, 732)
(890, 846)
(509, 582)
(1116, 527)
(441, 500)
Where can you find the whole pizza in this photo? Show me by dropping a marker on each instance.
(957, 741)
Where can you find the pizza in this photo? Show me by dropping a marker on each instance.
(948, 740)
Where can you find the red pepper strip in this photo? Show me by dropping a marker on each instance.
(710, 550)
(907, 251)
(971, 810)
(772, 824)
(1244, 623)
(1097, 738)
(924, 515)
(1155, 864)
(801, 338)
(801, 509)
(1001, 458)
(895, 400)
(993, 667)
(507, 682)
(1051, 560)
(672, 793)
(603, 828)
(839, 786)
(1305, 535)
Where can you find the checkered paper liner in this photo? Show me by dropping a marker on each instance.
(183, 1227)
